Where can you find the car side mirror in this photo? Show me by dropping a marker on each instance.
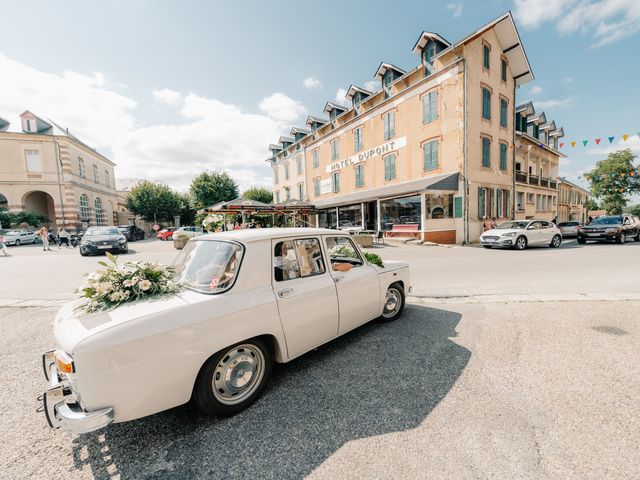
(341, 267)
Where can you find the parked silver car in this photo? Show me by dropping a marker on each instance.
(19, 237)
(570, 229)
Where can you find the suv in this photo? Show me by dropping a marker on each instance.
(188, 231)
(131, 232)
(611, 227)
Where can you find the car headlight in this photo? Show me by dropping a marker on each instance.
(611, 230)
(509, 234)
(87, 242)
(122, 240)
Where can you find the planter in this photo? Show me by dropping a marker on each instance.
(365, 241)
(179, 243)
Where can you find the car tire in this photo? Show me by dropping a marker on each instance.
(582, 241)
(393, 303)
(620, 239)
(221, 389)
(169, 238)
(637, 237)
(17, 244)
(35, 240)
(521, 243)
(556, 241)
(82, 252)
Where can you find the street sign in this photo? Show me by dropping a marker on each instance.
(156, 227)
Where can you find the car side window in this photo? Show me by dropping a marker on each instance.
(298, 258)
(545, 225)
(342, 250)
(534, 226)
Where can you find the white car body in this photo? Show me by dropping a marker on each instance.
(570, 228)
(188, 231)
(144, 357)
(522, 234)
(19, 237)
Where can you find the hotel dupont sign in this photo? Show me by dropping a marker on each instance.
(366, 154)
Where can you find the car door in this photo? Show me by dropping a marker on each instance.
(358, 287)
(533, 233)
(547, 232)
(305, 292)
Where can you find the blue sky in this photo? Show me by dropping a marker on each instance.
(169, 88)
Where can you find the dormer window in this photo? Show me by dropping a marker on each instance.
(428, 56)
(387, 74)
(387, 80)
(357, 95)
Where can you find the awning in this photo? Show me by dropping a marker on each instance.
(447, 182)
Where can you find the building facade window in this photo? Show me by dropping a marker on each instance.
(387, 80)
(503, 70)
(486, 103)
(81, 170)
(429, 107)
(430, 154)
(316, 187)
(314, 157)
(107, 178)
(359, 175)
(520, 201)
(390, 166)
(33, 161)
(357, 139)
(277, 197)
(503, 113)
(95, 174)
(335, 181)
(334, 150)
(276, 180)
(400, 211)
(486, 152)
(503, 156)
(287, 194)
(299, 165)
(485, 56)
(300, 191)
(84, 208)
(428, 54)
(286, 171)
(389, 122)
(100, 217)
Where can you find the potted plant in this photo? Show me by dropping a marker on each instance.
(180, 241)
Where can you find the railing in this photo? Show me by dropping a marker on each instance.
(553, 184)
(544, 182)
(521, 177)
(533, 180)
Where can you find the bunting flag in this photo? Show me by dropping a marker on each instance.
(625, 136)
(573, 144)
(611, 139)
(561, 145)
(598, 141)
(584, 142)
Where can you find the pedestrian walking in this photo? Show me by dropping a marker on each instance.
(3, 247)
(43, 233)
(63, 235)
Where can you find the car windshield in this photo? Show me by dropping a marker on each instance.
(513, 225)
(567, 224)
(208, 266)
(13, 232)
(102, 231)
(607, 220)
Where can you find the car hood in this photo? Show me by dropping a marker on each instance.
(72, 325)
(603, 226)
(496, 232)
(101, 238)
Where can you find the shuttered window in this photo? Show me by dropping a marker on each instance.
(314, 156)
(485, 56)
(503, 112)
(430, 107)
(357, 139)
(390, 167)
(486, 152)
(335, 177)
(389, 125)
(430, 153)
(359, 175)
(503, 70)
(503, 156)
(334, 150)
(486, 103)
(316, 187)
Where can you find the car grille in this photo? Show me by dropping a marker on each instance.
(490, 238)
(106, 242)
(595, 230)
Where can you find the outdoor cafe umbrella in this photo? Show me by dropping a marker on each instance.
(240, 204)
(295, 207)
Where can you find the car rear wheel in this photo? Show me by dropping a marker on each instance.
(17, 243)
(521, 243)
(556, 241)
(393, 303)
(637, 237)
(233, 378)
(621, 238)
(582, 241)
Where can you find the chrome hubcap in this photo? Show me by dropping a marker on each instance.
(391, 303)
(521, 243)
(238, 374)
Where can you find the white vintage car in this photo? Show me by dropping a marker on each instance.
(252, 297)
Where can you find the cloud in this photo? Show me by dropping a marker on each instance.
(167, 96)
(568, 79)
(608, 21)
(552, 103)
(535, 90)
(203, 133)
(312, 83)
(340, 97)
(372, 85)
(456, 8)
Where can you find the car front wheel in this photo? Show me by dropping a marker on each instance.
(582, 241)
(521, 243)
(233, 378)
(621, 238)
(393, 303)
(555, 242)
(17, 244)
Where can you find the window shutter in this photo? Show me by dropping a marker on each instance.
(492, 203)
(434, 154)
(433, 105)
(480, 202)
(392, 124)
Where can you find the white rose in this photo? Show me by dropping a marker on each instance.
(145, 285)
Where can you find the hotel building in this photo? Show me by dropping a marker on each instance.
(45, 169)
(429, 153)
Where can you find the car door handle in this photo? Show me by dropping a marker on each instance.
(338, 278)
(284, 292)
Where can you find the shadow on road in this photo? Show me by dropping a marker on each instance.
(378, 379)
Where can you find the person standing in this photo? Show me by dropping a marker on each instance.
(486, 225)
(3, 247)
(494, 223)
(43, 233)
(63, 235)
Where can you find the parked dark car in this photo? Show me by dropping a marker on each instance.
(618, 228)
(103, 239)
(132, 232)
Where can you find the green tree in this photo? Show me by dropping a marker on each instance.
(7, 219)
(259, 194)
(154, 202)
(633, 209)
(209, 188)
(613, 180)
(188, 211)
(592, 204)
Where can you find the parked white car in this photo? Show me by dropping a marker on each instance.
(521, 233)
(188, 231)
(570, 229)
(253, 297)
(20, 237)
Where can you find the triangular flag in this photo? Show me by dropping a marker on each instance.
(584, 142)
(611, 139)
(573, 144)
(562, 144)
(598, 141)
(625, 136)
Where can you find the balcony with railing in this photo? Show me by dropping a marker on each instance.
(553, 184)
(533, 180)
(521, 176)
(544, 182)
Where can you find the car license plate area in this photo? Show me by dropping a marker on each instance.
(593, 234)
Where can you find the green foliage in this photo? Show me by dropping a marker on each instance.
(209, 188)
(374, 259)
(154, 202)
(8, 219)
(633, 209)
(188, 210)
(259, 194)
(612, 182)
(592, 204)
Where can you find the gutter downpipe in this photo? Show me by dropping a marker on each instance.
(465, 192)
(58, 164)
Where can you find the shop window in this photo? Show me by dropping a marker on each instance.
(430, 107)
(430, 154)
(486, 152)
(390, 166)
(359, 175)
(350, 216)
(297, 259)
(327, 218)
(400, 213)
(389, 122)
(486, 103)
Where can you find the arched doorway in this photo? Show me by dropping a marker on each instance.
(40, 203)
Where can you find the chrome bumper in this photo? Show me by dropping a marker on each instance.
(61, 407)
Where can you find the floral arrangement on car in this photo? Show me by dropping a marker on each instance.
(106, 289)
(342, 251)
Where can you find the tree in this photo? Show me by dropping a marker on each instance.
(259, 194)
(633, 209)
(209, 188)
(188, 210)
(154, 202)
(592, 204)
(7, 219)
(613, 180)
